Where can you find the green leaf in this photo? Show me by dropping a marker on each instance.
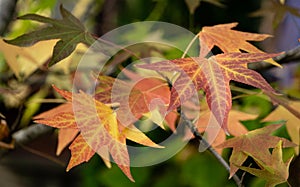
(69, 30)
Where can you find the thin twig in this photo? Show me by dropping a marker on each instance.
(44, 155)
(289, 56)
(198, 136)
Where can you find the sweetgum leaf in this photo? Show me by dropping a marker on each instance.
(292, 121)
(235, 127)
(275, 172)
(255, 143)
(81, 152)
(135, 100)
(65, 137)
(213, 76)
(229, 40)
(97, 126)
(69, 30)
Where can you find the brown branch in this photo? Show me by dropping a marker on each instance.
(284, 103)
(203, 142)
(289, 56)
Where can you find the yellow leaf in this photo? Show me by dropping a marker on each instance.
(25, 60)
(12, 54)
(292, 122)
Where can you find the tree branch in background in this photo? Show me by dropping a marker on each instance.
(26, 135)
(203, 142)
(7, 9)
(289, 56)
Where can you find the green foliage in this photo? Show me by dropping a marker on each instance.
(69, 30)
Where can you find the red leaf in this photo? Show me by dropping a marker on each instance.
(213, 76)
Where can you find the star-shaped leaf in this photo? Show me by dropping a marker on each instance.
(134, 100)
(255, 143)
(275, 172)
(69, 30)
(292, 122)
(229, 40)
(217, 136)
(99, 130)
(213, 76)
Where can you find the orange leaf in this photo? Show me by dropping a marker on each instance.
(66, 107)
(135, 100)
(99, 130)
(81, 152)
(213, 76)
(61, 120)
(98, 125)
(229, 40)
(234, 127)
(65, 94)
(65, 137)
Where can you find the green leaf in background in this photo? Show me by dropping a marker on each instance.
(69, 30)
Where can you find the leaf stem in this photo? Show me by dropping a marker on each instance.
(202, 141)
(189, 46)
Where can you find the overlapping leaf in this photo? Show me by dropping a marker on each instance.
(213, 76)
(134, 100)
(65, 135)
(235, 127)
(99, 130)
(275, 172)
(255, 143)
(69, 30)
(292, 122)
(229, 40)
(12, 53)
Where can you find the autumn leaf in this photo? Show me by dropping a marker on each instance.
(135, 100)
(99, 130)
(235, 127)
(65, 137)
(69, 30)
(12, 53)
(81, 152)
(275, 172)
(229, 40)
(213, 76)
(255, 143)
(292, 122)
